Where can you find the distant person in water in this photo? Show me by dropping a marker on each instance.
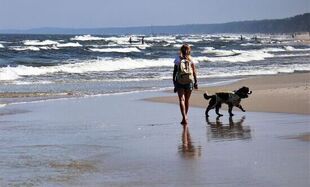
(130, 40)
(184, 79)
(142, 40)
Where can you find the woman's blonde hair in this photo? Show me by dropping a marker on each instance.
(185, 52)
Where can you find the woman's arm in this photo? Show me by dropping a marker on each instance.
(195, 76)
(174, 78)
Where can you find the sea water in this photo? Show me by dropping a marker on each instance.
(102, 64)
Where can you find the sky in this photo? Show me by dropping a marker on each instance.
(26, 14)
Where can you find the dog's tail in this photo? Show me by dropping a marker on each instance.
(206, 96)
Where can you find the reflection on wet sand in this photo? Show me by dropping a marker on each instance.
(187, 149)
(219, 131)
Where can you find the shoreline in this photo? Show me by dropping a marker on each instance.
(281, 93)
(269, 92)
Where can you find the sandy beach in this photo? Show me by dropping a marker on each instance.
(284, 93)
(124, 140)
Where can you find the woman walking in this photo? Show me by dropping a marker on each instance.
(184, 79)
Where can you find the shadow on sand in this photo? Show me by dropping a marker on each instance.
(220, 131)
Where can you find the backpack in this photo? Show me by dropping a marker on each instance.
(185, 72)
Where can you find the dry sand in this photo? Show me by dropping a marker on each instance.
(284, 93)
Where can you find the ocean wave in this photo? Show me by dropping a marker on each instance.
(48, 48)
(267, 70)
(180, 45)
(141, 46)
(87, 38)
(120, 40)
(244, 55)
(2, 105)
(39, 43)
(99, 65)
(160, 38)
(192, 40)
(70, 44)
(32, 48)
(1, 46)
(251, 44)
(25, 48)
(295, 55)
(291, 48)
(115, 50)
(229, 38)
(238, 56)
(5, 42)
(219, 52)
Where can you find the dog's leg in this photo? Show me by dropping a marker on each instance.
(210, 106)
(239, 106)
(230, 107)
(217, 108)
(207, 111)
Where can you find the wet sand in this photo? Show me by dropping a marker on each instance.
(284, 93)
(123, 140)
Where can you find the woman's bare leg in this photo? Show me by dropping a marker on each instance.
(187, 94)
(181, 94)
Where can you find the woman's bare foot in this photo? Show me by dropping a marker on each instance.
(184, 121)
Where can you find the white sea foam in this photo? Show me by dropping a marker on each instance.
(2, 105)
(25, 48)
(244, 55)
(180, 45)
(47, 47)
(39, 43)
(192, 40)
(290, 48)
(1, 46)
(272, 49)
(120, 40)
(117, 50)
(141, 46)
(229, 38)
(160, 38)
(219, 52)
(32, 48)
(70, 44)
(7, 74)
(251, 44)
(241, 56)
(86, 38)
(99, 65)
(295, 55)
(261, 70)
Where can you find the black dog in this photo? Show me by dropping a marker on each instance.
(231, 99)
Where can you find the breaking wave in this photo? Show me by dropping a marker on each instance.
(99, 65)
(238, 55)
(290, 48)
(70, 44)
(39, 43)
(115, 50)
(86, 38)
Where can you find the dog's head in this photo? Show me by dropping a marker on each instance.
(243, 92)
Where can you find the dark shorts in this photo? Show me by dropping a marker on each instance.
(189, 86)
